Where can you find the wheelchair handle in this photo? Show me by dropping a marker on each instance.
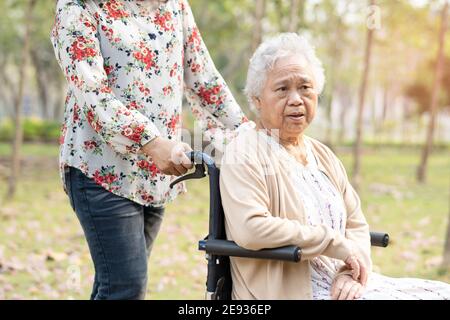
(199, 159)
(288, 253)
(230, 248)
(379, 239)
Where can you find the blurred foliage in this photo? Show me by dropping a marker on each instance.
(34, 130)
(420, 89)
(405, 40)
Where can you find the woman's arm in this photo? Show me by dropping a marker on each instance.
(77, 49)
(357, 228)
(209, 96)
(251, 225)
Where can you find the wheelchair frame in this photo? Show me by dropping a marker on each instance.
(216, 246)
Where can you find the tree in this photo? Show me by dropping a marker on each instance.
(446, 259)
(421, 170)
(362, 100)
(333, 36)
(293, 21)
(18, 131)
(260, 11)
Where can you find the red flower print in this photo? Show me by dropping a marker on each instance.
(174, 70)
(146, 196)
(154, 170)
(115, 10)
(125, 112)
(134, 134)
(110, 178)
(195, 67)
(108, 69)
(93, 122)
(98, 178)
(194, 39)
(90, 25)
(144, 90)
(167, 90)
(63, 134)
(145, 165)
(76, 115)
(108, 31)
(90, 144)
(173, 122)
(133, 105)
(80, 49)
(146, 56)
(164, 21)
(105, 89)
(106, 177)
(76, 81)
(210, 95)
(90, 117)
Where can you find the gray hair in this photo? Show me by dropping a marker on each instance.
(267, 54)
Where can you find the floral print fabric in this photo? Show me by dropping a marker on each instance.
(127, 65)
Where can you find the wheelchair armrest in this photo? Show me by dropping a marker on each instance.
(230, 248)
(379, 239)
(288, 253)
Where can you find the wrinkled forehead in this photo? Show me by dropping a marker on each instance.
(291, 68)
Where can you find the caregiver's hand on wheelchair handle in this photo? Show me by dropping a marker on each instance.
(169, 156)
(344, 287)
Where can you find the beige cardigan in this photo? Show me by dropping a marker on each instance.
(262, 210)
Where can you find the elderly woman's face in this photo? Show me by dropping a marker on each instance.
(289, 98)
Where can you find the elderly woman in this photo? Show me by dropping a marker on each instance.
(280, 187)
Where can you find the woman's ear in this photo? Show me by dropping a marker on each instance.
(257, 103)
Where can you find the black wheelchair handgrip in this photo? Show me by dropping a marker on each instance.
(230, 248)
(379, 239)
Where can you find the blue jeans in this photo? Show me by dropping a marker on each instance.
(120, 235)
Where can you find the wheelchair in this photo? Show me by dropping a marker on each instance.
(216, 246)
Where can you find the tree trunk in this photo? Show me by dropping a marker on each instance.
(362, 99)
(18, 131)
(446, 259)
(345, 100)
(330, 89)
(59, 103)
(293, 20)
(41, 83)
(385, 104)
(329, 113)
(8, 89)
(257, 31)
(421, 170)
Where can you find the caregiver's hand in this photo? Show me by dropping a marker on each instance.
(169, 156)
(344, 287)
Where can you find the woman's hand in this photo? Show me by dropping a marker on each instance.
(344, 287)
(169, 156)
(358, 268)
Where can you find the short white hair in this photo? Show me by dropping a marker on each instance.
(267, 54)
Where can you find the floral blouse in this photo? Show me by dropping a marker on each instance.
(127, 66)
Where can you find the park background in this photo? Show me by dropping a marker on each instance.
(385, 111)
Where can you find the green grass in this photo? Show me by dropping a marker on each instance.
(43, 254)
(31, 149)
